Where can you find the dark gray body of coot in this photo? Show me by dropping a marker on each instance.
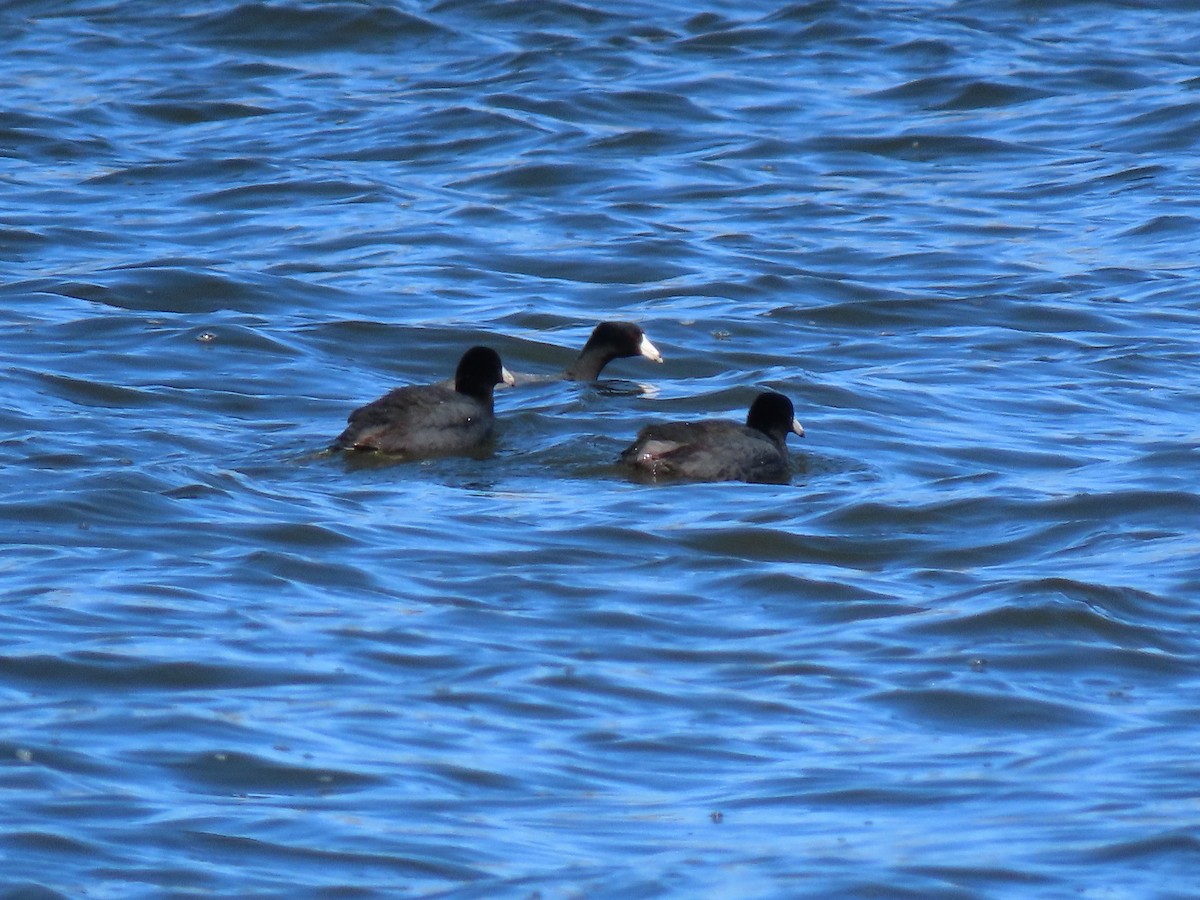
(720, 450)
(431, 419)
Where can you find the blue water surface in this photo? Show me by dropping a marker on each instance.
(957, 655)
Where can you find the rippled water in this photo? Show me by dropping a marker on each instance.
(957, 656)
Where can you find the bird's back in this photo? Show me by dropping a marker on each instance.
(418, 421)
(707, 451)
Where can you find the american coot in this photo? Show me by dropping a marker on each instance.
(609, 341)
(720, 450)
(431, 419)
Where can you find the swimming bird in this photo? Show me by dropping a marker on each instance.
(609, 341)
(431, 419)
(720, 450)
